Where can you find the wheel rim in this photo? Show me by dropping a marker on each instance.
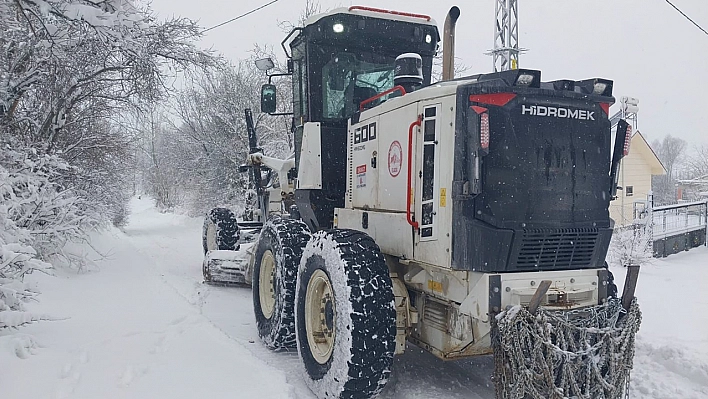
(319, 316)
(211, 237)
(266, 284)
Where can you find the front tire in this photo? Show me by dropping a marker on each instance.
(277, 257)
(345, 315)
(220, 230)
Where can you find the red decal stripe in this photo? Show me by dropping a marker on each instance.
(605, 107)
(499, 99)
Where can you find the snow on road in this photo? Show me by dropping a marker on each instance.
(671, 359)
(129, 334)
(144, 326)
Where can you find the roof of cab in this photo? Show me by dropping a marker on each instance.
(375, 13)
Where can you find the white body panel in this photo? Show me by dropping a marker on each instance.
(393, 150)
(310, 172)
(388, 229)
(384, 188)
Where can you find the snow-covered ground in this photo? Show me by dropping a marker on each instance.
(142, 325)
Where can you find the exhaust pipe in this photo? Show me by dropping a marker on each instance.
(448, 55)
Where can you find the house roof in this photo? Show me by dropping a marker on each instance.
(639, 144)
(700, 180)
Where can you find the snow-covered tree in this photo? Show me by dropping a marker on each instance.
(200, 151)
(670, 151)
(69, 70)
(71, 66)
(698, 162)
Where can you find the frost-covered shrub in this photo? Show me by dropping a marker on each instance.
(630, 245)
(37, 217)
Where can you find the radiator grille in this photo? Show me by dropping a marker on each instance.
(435, 314)
(556, 249)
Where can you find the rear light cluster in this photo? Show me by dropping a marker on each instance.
(627, 140)
(484, 131)
(483, 126)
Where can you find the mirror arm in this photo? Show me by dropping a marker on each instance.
(270, 77)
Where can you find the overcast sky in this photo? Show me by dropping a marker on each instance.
(648, 49)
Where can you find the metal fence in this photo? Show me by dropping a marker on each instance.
(678, 227)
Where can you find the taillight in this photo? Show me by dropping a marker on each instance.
(483, 127)
(484, 131)
(627, 140)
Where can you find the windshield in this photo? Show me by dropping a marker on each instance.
(348, 78)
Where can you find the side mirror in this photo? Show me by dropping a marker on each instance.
(268, 98)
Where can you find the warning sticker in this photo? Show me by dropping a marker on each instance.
(395, 158)
(361, 176)
(443, 197)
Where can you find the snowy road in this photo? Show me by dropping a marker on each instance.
(144, 326)
(174, 245)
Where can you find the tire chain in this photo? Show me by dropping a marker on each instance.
(535, 356)
(357, 249)
(292, 235)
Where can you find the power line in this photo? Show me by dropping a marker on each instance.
(687, 17)
(240, 16)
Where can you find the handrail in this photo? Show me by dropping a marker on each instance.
(282, 44)
(381, 10)
(679, 205)
(409, 215)
(376, 97)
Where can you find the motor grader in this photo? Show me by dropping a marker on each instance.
(467, 216)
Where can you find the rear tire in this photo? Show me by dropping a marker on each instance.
(220, 231)
(345, 315)
(277, 257)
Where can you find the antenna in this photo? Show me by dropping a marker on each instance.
(506, 36)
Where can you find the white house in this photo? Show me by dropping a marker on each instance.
(635, 174)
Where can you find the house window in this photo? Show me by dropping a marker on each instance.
(629, 191)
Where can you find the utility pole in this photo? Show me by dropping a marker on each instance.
(506, 36)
